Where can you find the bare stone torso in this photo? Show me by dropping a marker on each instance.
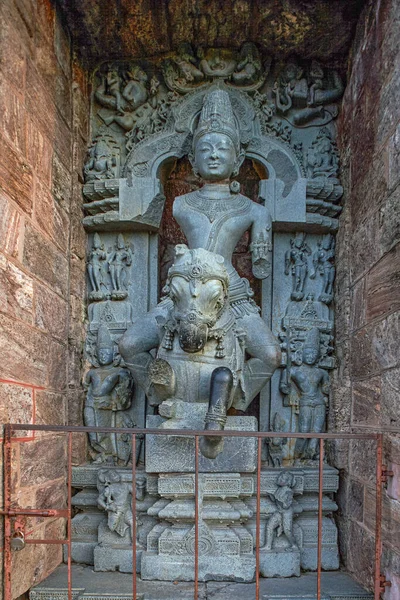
(215, 224)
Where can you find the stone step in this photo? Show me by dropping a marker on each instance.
(88, 584)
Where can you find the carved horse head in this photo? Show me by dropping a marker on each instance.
(197, 284)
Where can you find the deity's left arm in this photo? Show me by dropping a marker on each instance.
(261, 242)
(325, 384)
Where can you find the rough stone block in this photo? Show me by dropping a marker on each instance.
(39, 152)
(16, 177)
(280, 564)
(308, 553)
(45, 261)
(61, 183)
(50, 407)
(16, 291)
(16, 405)
(366, 396)
(25, 352)
(52, 463)
(11, 227)
(81, 552)
(168, 454)
(51, 313)
(364, 246)
(51, 218)
(39, 102)
(383, 285)
(12, 109)
(116, 558)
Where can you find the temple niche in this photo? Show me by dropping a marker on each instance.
(211, 207)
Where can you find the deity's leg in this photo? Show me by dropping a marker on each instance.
(265, 351)
(305, 420)
(141, 337)
(318, 426)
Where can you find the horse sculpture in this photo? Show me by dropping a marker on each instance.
(200, 354)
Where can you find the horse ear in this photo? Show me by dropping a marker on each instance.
(181, 249)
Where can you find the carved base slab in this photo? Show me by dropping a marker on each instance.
(175, 454)
(211, 568)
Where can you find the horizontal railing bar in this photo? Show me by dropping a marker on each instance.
(36, 512)
(38, 541)
(193, 432)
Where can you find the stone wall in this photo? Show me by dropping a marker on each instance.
(367, 382)
(44, 107)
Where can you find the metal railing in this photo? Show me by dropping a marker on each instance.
(12, 515)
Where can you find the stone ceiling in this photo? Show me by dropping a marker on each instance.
(111, 29)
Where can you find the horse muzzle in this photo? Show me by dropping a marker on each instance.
(192, 336)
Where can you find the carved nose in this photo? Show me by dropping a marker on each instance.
(214, 154)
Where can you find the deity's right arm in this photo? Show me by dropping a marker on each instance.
(261, 244)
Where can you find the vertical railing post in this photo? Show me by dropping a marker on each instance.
(196, 518)
(320, 497)
(7, 506)
(378, 517)
(258, 518)
(69, 518)
(134, 578)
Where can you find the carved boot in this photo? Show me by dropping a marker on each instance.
(220, 395)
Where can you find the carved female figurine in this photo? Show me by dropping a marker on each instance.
(119, 261)
(296, 260)
(95, 267)
(324, 262)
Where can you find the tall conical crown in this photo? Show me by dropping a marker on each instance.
(217, 116)
(104, 338)
(312, 339)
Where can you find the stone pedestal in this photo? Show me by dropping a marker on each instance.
(225, 545)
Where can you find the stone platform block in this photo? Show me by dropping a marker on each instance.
(116, 558)
(82, 552)
(211, 568)
(175, 454)
(282, 563)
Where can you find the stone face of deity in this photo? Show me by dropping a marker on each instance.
(215, 157)
(105, 356)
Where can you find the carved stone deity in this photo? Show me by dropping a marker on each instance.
(214, 218)
(281, 520)
(296, 261)
(109, 391)
(312, 384)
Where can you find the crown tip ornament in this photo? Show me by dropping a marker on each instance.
(217, 117)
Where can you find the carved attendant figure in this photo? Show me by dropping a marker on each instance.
(100, 162)
(312, 384)
(95, 268)
(281, 521)
(109, 390)
(296, 260)
(324, 262)
(119, 260)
